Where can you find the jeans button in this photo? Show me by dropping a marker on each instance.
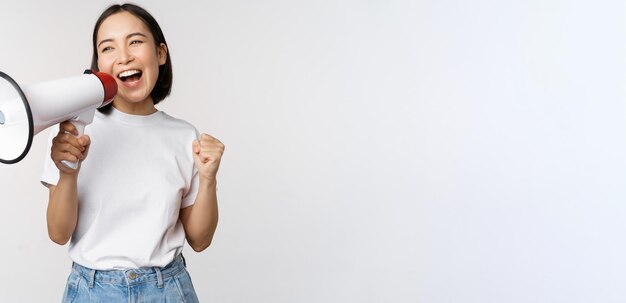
(132, 275)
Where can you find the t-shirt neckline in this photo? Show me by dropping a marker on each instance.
(135, 119)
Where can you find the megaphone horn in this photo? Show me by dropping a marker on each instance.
(24, 112)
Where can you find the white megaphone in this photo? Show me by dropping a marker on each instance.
(24, 112)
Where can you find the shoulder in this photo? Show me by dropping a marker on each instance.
(177, 124)
(176, 121)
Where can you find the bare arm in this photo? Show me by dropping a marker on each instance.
(200, 219)
(62, 213)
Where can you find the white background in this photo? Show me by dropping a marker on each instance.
(377, 150)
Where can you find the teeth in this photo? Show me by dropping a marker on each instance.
(128, 73)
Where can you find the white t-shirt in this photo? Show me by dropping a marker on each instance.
(138, 174)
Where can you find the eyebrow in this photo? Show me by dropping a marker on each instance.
(127, 37)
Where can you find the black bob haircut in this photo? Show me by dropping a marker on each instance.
(163, 85)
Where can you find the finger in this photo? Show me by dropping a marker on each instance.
(87, 145)
(197, 153)
(213, 147)
(84, 141)
(214, 154)
(68, 148)
(208, 138)
(63, 156)
(68, 157)
(67, 126)
(195, 145)
(68, 139)
(211, 143)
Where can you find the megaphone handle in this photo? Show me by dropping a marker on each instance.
(80, 127)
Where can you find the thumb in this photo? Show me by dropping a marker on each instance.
(195, 147)
(84, 140)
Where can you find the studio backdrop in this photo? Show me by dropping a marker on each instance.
(376, 151)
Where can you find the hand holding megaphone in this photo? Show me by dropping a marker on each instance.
(69, 148)
(24, 112)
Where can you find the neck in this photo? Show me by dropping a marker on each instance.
(143, 108)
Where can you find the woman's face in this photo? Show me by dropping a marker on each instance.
(127, 51)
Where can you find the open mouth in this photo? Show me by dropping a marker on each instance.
(130, 75)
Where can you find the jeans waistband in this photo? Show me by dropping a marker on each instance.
(131, 276)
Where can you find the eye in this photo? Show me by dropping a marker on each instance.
(136, 42)
(106, 49)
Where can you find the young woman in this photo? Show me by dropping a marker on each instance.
(148, 184)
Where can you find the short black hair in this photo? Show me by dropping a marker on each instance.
(163, 85)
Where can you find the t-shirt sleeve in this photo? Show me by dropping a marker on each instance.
(50, 175)
(189, 197)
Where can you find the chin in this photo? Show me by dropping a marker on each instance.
(135, 99)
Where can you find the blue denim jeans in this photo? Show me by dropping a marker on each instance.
(145, 285)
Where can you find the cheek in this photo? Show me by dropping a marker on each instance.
(104, 65)
(154, 72)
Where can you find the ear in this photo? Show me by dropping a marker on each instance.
(162, 53)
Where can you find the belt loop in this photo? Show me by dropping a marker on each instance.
(184, 261)
(92, 278)
(159, 277)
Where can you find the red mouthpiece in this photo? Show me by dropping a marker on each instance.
(109, 85)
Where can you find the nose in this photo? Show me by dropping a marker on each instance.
(125, 56)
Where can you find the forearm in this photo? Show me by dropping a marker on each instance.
(62, 214)
(203, 217)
